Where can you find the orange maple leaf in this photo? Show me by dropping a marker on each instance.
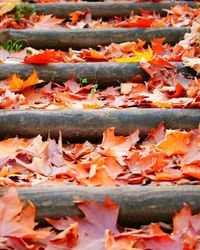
(16, 83)
(176, 142)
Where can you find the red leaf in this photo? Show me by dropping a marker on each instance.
(48, 56)
(136, 21)
(158, 62)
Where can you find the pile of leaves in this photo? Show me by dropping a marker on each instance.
(157, 52)
(96, 230)
(165, 157)
(12, 52)
(166, 88)
(26, 18)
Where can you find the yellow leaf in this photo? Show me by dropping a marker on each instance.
(8, 6)
(6, 172)
(147, 55)
(163, 104)
(16, 83)
(91, 106)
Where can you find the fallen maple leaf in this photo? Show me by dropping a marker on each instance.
(91, 228)
(77, 16)
(9, 147)
(136, 21)
(147, 55)
(48, 56)
(177, 142)
(47, 22)
(158, 61)
(117, 146)
(186, 227)
(17, 221)
(155, 135)
(16, 83)
(67, 238)
(8, 5)
(13, 57)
